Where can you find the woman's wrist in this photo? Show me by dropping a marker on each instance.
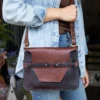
(52, 14)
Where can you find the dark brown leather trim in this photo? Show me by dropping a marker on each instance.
(48, 65)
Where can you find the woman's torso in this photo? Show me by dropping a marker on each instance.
(53, 26)
(47, 32)
(63, 26)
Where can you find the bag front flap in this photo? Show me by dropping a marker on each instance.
(53, 55)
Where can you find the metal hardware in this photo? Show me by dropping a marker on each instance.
(46, 65)
(55, 65)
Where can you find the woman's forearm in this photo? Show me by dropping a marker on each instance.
(19, 13)
(52, 14)
(65, 14)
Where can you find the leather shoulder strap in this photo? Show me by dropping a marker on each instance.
(72, 31)
(71, 2)
(26, 41)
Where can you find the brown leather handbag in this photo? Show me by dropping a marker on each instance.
(51, 68)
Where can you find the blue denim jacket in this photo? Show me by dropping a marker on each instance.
(31, 13)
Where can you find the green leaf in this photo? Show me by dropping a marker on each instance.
(5, 37)
(5, 34)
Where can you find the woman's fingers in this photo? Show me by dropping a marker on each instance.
(85, 79)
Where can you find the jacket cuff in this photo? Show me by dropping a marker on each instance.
(40, 15)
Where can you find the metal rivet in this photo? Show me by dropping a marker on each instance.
(56, 64)
(46, 64)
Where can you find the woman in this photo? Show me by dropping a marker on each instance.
(42, 17)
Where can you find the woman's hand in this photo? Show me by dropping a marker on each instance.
(68, 13)
(85, 79)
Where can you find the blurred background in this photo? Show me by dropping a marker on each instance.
(91, 12)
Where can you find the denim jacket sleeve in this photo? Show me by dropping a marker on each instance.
(19, 13)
